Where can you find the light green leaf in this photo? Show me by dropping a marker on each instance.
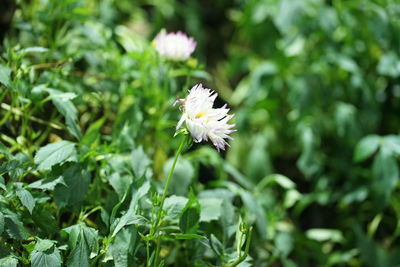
(55, 153)
(26, 199)
(386, 174)
(173, 206)
(366, 147)
(44, 244)
(389, 64)
(323, 235)
(64, 105)
(181, 177)
(5, 75)
(49, 258)
(140, 162)
(123, 243)
(8, 261)
(210, 209)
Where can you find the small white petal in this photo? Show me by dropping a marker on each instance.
(202, 120)
(174, 46)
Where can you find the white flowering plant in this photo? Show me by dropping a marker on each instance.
(187, 133)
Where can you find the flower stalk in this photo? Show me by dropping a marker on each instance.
(164, 195)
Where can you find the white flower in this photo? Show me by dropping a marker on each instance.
(202, 120)
(174, 46)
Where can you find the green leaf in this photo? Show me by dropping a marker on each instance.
(124, 243)
(93, 132)
(73, 191)
(189, 220)
(63, 103)
(210, 209)
(257, 212)
(55, 153)
(83, 241)
(366, 147)
(140, 162)
(129, 219)
(130, 216)
(188, 236)
(173, 205)
(26, 199)
(216, 245)
(5, 75)
(386, 174)
(34, 49)
(323, 235)
(44, 244)
(181, 177)
(1, 223)
(44, 219)
(8, 261)
(80, 254)
(14, 227)
(389, 64)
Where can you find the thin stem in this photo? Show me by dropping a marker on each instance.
(246, 250)
(159, 213)
(147, 253)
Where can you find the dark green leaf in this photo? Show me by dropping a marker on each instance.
(189, 220)
(76, 182)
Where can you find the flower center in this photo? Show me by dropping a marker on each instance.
(200, 114)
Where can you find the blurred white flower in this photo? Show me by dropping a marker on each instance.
(174, 46)
(202, 120)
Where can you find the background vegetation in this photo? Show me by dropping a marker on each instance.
(87, 125)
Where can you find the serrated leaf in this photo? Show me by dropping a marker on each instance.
(44, 219)
(26, 199)
(73, 190)
(8, 261)
(44, 244)
(130, 217)
(49, 258)
(80, 254)
(189, 220)
(123, 243)
(14, 227)
(366, 147)
(63, 103)
(173, 205)
(5, 75)
(55, 153)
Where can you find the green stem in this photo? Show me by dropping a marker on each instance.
(246, 250)
(159, 213)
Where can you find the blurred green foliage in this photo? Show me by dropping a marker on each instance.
(314, 169)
